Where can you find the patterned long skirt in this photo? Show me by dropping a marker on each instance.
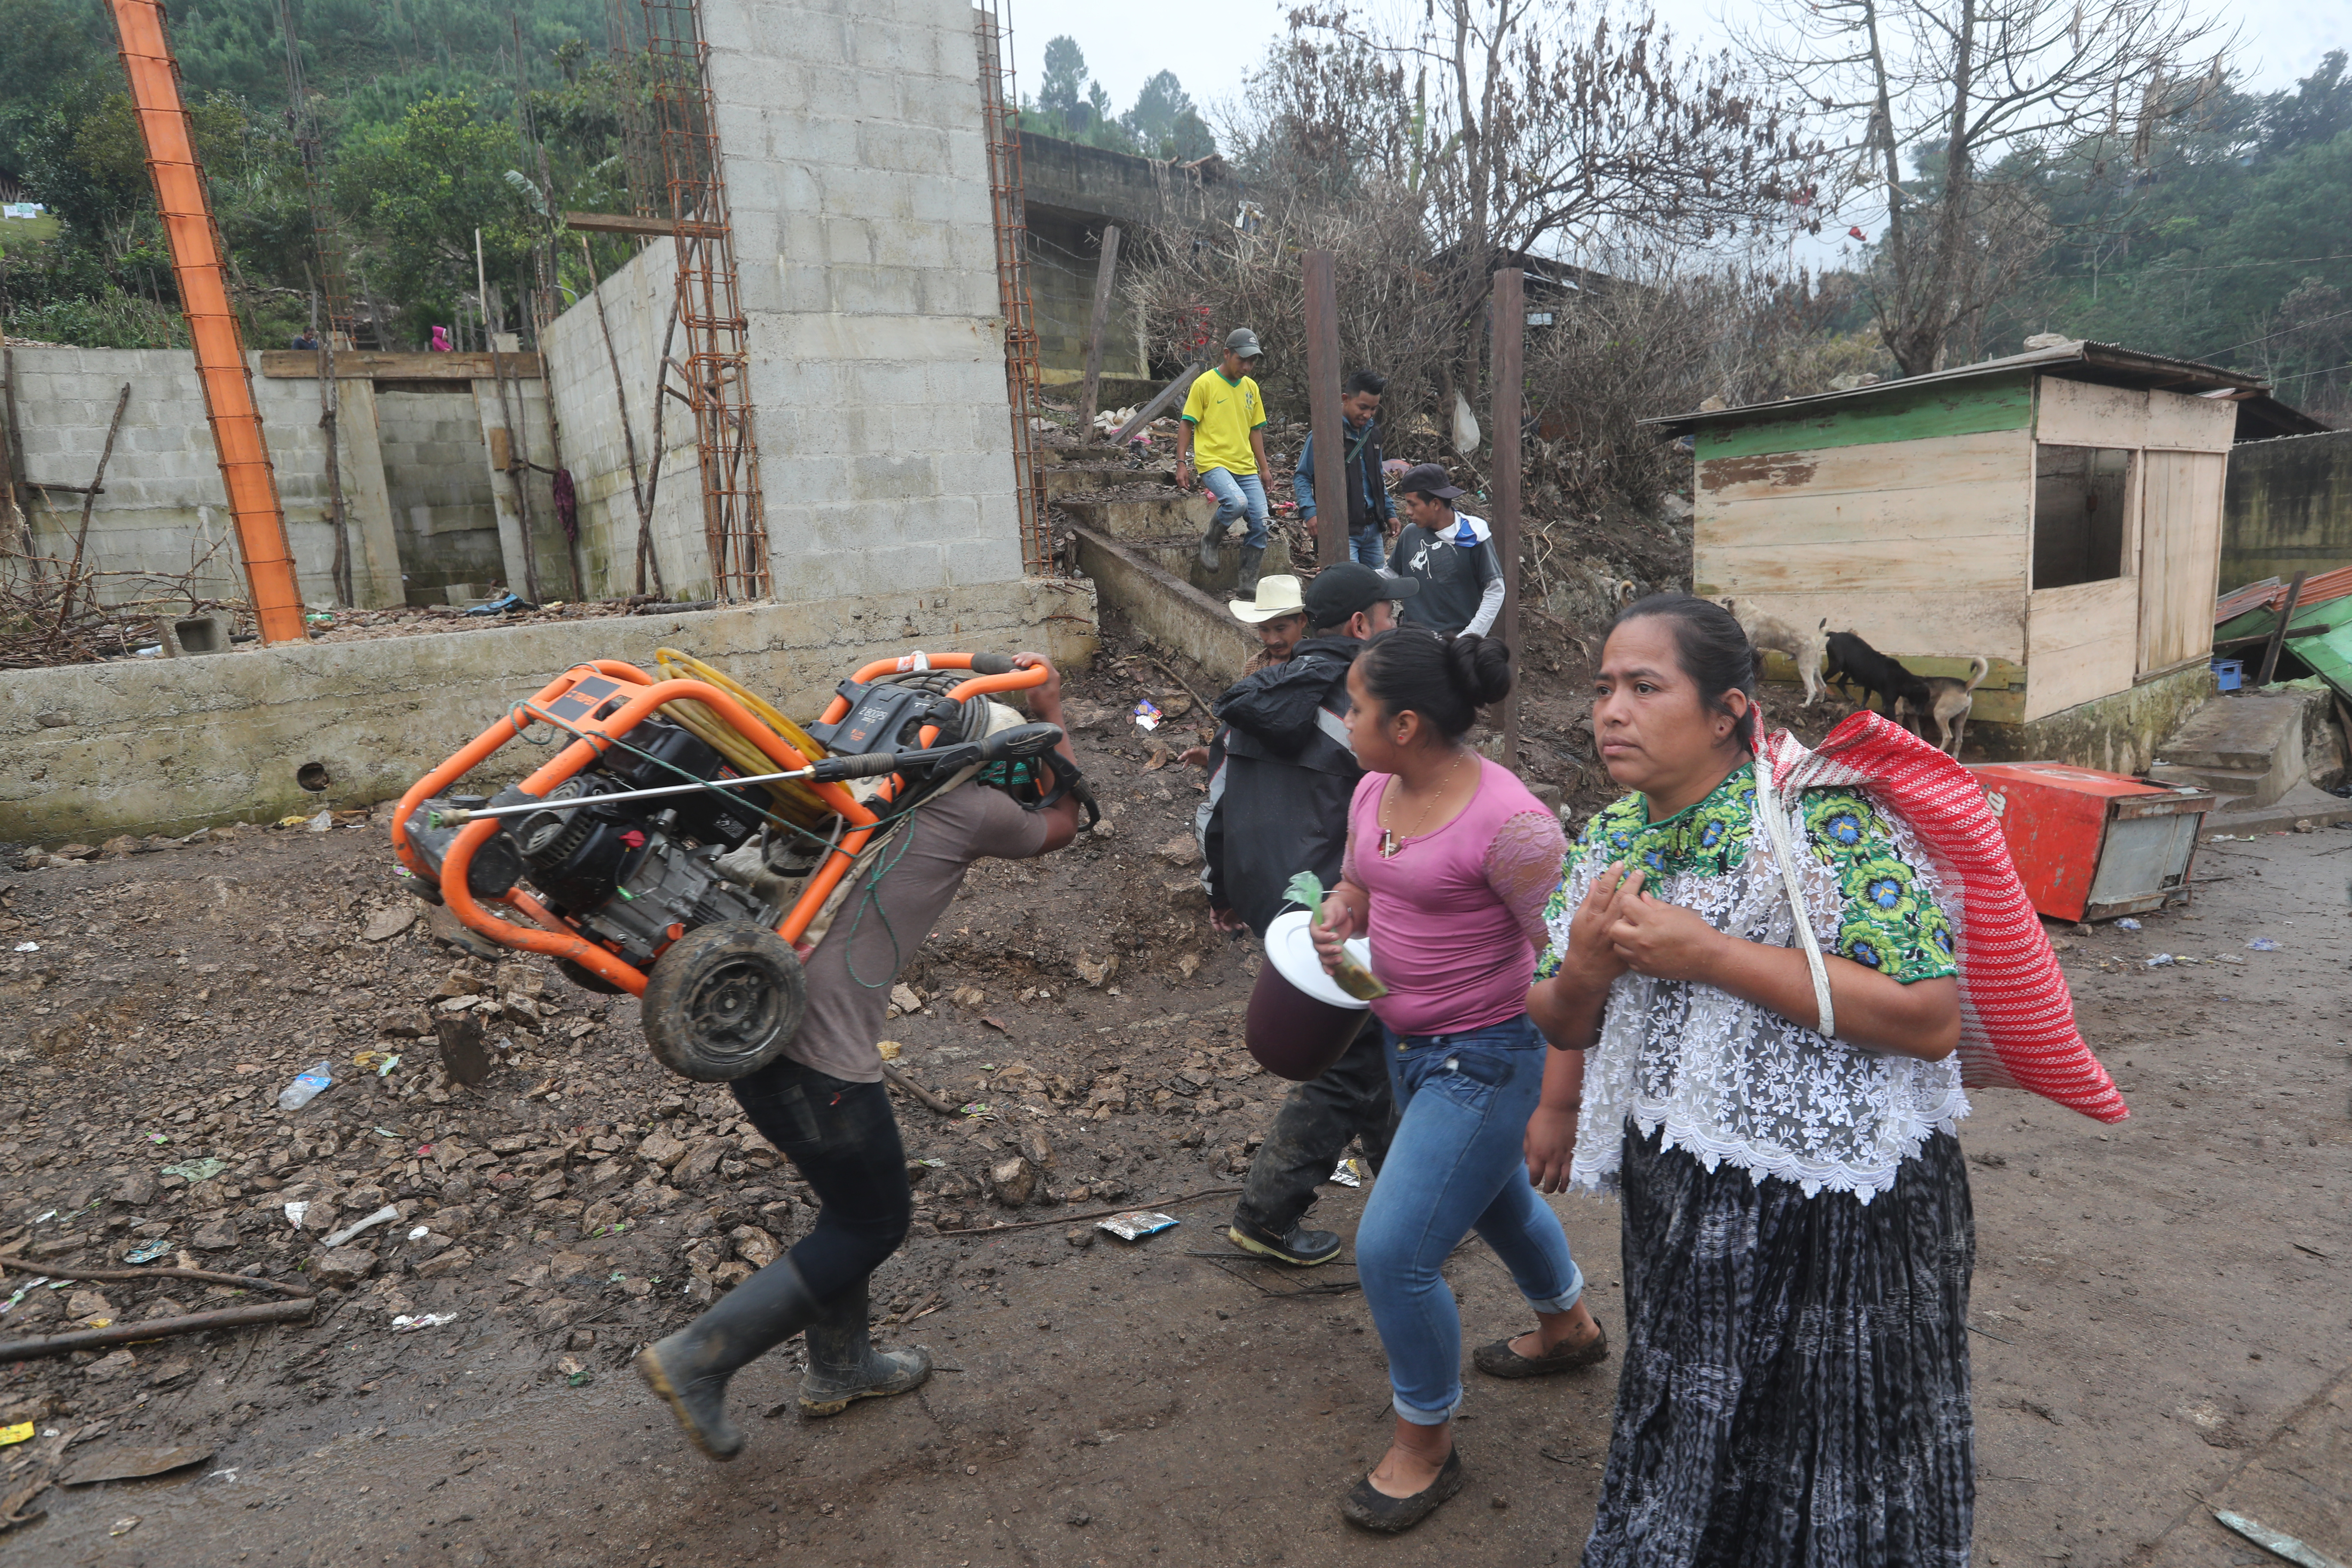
(1795, 1392)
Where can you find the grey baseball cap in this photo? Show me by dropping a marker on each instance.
(1243, 341)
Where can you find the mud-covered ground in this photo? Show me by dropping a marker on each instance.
(2161, 1305)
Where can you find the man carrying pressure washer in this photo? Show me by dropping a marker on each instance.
(1287, 777)
(823, 1104)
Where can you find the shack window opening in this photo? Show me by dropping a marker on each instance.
(2079, 493)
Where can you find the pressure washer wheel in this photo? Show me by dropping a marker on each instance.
(724, 1000)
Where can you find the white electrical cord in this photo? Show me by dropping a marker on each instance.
(1769, 805)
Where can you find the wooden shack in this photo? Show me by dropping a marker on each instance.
(2057, 512)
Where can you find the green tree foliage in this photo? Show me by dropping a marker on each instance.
(1070, 104)
(424, 187)
(2228, 237)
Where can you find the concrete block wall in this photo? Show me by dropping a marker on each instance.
(636, 299)
(163, 493)
(1063, 257)
(857, 178)
(438, 485)
(524, 404)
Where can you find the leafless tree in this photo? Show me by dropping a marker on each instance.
(1980, 97)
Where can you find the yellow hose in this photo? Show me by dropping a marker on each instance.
(796, 802)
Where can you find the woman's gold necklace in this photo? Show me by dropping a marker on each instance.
(1388, 846)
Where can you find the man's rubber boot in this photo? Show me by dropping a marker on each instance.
(1298, 1246)
(690, 1368)
(1250, 559)
(842, 1365)
(1209, 543)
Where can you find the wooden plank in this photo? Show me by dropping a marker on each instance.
(1097, 320)
(2079, 644)
(2180, 555)
(2083, 413)
(2187, 424)
(1319, 270)
(301, 364)
(1929, 463)
(1893, 414)
(1510, 329)
(1882, 522)
(1774, 571)
(1903, 623)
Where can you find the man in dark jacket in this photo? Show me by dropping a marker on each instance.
(1282, 797)
(1370, 514)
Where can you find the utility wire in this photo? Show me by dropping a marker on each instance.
(2283, 332)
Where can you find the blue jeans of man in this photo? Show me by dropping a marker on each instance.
(1237, 493)
(1369, 547)
(1458, 1162)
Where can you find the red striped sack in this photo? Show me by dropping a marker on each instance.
(2017, 1017)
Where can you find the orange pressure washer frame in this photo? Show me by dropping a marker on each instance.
(580, 701)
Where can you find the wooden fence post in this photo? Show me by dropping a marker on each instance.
(1511, 330)
(1323, 408)
(1104, 271)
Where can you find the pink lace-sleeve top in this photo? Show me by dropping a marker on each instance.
(1457, 914)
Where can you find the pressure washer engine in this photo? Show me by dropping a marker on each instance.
(688, 837)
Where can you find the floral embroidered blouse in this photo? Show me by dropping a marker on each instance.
(1725, 1079)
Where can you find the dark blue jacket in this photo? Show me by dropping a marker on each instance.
(1369, 505)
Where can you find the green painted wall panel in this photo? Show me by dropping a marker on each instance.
(1962, 408)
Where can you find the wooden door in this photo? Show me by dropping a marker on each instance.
(2180, 555)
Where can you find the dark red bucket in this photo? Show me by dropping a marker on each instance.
(1293, 1034)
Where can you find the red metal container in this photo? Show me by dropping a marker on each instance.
(2090, 845)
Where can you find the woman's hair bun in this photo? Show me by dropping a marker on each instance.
(1480, 669)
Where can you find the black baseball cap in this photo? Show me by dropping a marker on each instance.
(1429, 480)
(1341, 591)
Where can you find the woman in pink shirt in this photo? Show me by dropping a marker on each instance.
(1449, 862)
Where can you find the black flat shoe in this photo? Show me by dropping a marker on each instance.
(1499, 1360)
(1302, 1247)
(1371, 1509)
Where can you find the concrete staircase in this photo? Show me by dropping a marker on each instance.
(2250, 748)
(1138, 537)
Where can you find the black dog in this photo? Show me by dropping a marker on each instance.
(1854, 661)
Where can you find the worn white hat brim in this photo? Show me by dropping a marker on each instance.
(1277, 596)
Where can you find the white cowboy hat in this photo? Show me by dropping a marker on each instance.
(1277, 596)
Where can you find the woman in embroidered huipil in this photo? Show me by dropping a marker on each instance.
(1797, 1237)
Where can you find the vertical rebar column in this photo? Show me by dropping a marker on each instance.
(202, 279)
(734, 519)
(302, 120)
(1000, 110)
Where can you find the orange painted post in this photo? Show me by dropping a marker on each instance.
(196, 267)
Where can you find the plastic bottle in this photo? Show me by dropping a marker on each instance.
(314, 1080)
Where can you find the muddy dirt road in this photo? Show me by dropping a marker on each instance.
(2162, 1305)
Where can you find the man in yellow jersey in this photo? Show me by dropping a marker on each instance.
(1227, 415)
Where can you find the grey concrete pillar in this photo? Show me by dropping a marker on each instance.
(367, 499)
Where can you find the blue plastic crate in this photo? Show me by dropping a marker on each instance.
(2230, 674)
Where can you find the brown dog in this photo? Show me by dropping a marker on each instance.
(1950, 702)
(1807, 648)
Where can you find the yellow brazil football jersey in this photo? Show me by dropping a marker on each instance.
(1223, 414)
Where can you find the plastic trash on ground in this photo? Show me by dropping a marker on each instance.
(312, 1083)
(28, 947)
(1147, 714)
(2161, 961)
(404, 1323)
(147, 1252)
(196, 1171)
(2128, 924)
(381, 1216)
(21, 1431)
(2263, 944)
(1346, 1175)
(1137, 1223)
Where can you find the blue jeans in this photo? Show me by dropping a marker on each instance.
(1369, 547)
(1456, 1163)
(1236, 494)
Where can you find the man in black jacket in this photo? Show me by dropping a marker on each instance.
(1282, 797)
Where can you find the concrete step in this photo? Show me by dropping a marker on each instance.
(1078, 479)
(2244, 742)
(1164, 606)
(1181, 559)
(1172, 515)
(2228, 783)
(2304, 803)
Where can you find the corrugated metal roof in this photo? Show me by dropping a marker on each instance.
(2104, 362)
(2329, 654)
(2270, 593)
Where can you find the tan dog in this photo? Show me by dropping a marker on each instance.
(1806, 647)
(1950, 703)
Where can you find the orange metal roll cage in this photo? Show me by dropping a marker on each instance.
(594, 729)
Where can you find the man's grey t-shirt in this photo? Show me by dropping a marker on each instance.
(845, 1013)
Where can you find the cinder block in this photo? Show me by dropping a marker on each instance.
(878, 290)
(893, 477)
(899, 146)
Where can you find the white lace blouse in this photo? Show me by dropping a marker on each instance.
(1725, 1079)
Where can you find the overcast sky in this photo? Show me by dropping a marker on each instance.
(1209, 43)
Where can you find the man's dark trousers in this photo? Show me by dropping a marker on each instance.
(1350, 1101)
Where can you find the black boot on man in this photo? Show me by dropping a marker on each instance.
(690, 1368)
(1209, 543)
(844, 1366)
(1252, 556)
(1298, 1245)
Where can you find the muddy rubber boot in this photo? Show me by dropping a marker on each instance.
(844, 1366)
(690, 1368)
(1209, 543)
(1250, 559)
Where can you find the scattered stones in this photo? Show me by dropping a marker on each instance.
(1014, 1183)
(391, 921)
(754, 1245)
(454, 1261)
(343, 1267)
(1180, 851)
